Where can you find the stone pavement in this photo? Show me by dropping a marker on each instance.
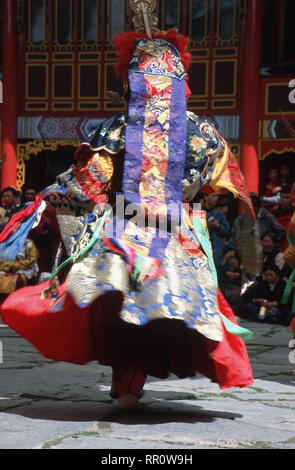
(54, 405)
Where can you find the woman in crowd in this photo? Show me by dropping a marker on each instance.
(272, 255)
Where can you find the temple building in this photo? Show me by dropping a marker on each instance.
(58, 82)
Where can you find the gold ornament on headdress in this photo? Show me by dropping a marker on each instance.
(145, 18)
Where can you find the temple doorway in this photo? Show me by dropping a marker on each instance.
(276, 161)
(42, 169)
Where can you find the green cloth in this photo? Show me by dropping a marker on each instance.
(203, 237)
(288, 291)
(138, 267)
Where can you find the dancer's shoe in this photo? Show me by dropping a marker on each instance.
(129, 402)
(115, 390)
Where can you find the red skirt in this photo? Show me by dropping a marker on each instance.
(97, 333)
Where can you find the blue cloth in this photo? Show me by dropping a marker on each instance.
(10, 248)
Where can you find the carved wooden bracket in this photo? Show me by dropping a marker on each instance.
(144, 18)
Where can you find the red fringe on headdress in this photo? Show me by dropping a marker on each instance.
(124, 44)
(206, 190)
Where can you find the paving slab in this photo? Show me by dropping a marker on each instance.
(46, 404)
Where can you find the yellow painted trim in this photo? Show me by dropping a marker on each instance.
(111, 57)
(195, 58)
(25, 150)
(192, 96)
(54, 66)
(29, 41)
(112, 108)
(234, 37)
(203, 41)
(196, 106)
(108, 38)
(225, 48)
(55, 39)
(224, 99)
(55, 56)
(59, 108)
(31, 59)
(32, 110)
(277, 152)
(27, 82)
(82, 41)
(267, 139)
(235, 78)
(98, 83)
(266, 98)
(96, 56)
(89, 109)
(163, 10)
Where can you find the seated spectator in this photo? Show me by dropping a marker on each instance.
(285, 205)
(216, 221)
(235, 253)
(265, 223)
(231, 282)
(273, 184)
(283, 211)
(29, 194)
(226, 205)
(285, 175)
(263, 299)
(21, 272)
(10, 204)
(272, 255)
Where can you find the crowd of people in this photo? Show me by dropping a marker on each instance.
(260, 297)
(35, 260)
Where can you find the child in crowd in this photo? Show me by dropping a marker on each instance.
(263, 299)
(231, 282)
(272, 255)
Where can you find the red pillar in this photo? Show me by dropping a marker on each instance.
(251, 60)
(10, 94)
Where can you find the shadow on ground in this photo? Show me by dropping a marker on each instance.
(151, 412)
